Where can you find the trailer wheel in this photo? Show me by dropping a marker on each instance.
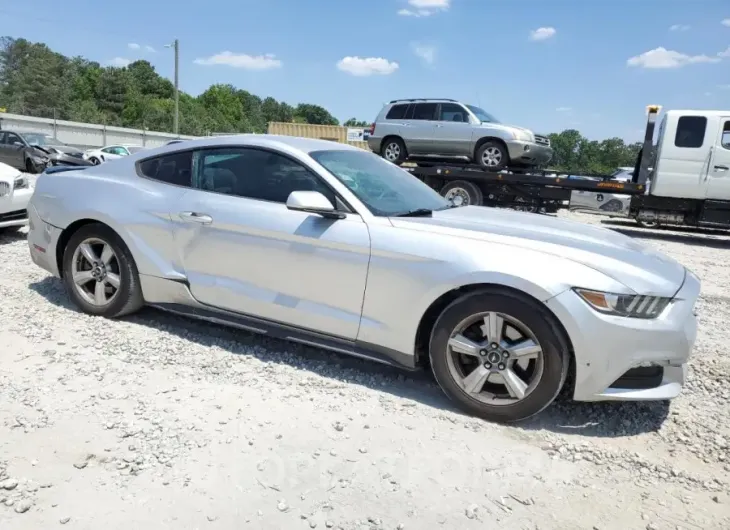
(462, 193)
(648, 224)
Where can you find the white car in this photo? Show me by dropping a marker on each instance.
(110, 152)
(15, 192)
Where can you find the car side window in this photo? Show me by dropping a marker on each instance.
(725, 140)
(397, 112)
(425, 111)
(690, 131)
(109, 150)
(11, 138)
(453, 112)
(174, 168)
(255, 174)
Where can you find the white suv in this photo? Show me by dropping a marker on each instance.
(15, 192)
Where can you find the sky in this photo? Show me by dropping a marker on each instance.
(549, 65)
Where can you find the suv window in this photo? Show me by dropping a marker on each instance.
(425, 111)
(397, 112)
(453, 112)
(174, 168)
(255, 174)
(690, 131)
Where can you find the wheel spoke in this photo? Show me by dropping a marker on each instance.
(88, 253)
(515, 386)
(100, 293)
(474, 382)
(82, 277)
(107, 254)
(112, 279)
(493, 327)
(526, 349)
(460, 344)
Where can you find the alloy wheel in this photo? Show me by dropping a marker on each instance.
(492, 157)
(95, 272)
(392, 152)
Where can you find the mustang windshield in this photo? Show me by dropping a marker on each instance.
(384, 188)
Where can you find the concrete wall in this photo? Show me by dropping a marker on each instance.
(84, 135)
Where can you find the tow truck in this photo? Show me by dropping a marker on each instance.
(682, 180)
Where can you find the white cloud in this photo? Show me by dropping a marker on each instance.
(241, 60)
(150, 49)
(424, 8)
(120, 62)
(426, 52)
(726, 22)
(542, 33)
(679, 27)
(365, 66)
(563, 109)
(659, 58)
(723, 87)
(133, 46)
(724, 54)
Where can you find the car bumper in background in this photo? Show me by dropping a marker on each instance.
(42, 242)
(619, 358)
(598, 203)
(13, 208)
(529, 152)
(374, 144)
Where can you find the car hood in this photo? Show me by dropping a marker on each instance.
(66, 149)
(504, 126)
(634, 264)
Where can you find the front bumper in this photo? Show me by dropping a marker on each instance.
(42, 242)
(529, 152)
(67, 160)
(609, 350)
(13, 208)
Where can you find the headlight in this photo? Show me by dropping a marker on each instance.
(624, 305)
(21, 183)
(525, 136)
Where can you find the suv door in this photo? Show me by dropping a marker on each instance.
(453, 131)
(243, 250)
(718, 185)
(419, 127)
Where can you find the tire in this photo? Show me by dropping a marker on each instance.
(127, 297)
(468, 192)
(394, 150)
(549, 368)
(30, 166)
(496, 149)
(648, 224)
(95, 161)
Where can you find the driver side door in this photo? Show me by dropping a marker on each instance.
(243, 251)
(12, 150)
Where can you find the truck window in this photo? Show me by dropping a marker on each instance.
(425, 111)
(690, 131)
(725, 141)
(397, 112)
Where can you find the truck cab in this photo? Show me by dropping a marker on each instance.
(693, 155)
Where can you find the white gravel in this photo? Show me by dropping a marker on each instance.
(161, 422)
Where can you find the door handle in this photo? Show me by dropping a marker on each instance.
(195, 217)
(722, 168)
(439, 125)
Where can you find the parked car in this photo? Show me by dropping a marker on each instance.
(605, 203)
(328, 245)
(448, 128)
(110, 152)
(15, 192)
(33, 152)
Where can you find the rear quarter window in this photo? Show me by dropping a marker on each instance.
(174, 168)
(397, 112)
(690, 131)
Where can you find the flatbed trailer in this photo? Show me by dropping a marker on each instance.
(537, 191)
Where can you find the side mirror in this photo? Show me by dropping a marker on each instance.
(16, 142)
(312, 202)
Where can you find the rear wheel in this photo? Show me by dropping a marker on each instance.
(394, 150)
(499, 355)
(463, 193)
(100, 274)
(492, 155)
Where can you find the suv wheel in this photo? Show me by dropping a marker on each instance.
(498, 355)
(100, 274)
(492, 155)
(394, 150)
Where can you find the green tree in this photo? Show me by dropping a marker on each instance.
(353, 122)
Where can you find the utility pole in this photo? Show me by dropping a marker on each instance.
(176, 118)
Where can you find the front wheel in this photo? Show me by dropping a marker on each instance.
(498, 355)
(95, 161)
(30, 166)
(492, 155)
(100, 274)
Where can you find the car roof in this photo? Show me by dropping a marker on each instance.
(274, 141)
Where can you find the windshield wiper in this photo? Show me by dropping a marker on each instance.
(418, 212)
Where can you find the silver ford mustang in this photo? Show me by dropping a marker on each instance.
(331, 246)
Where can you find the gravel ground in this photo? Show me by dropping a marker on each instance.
(156, 421)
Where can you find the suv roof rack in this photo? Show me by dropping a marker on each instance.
(423, 99)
